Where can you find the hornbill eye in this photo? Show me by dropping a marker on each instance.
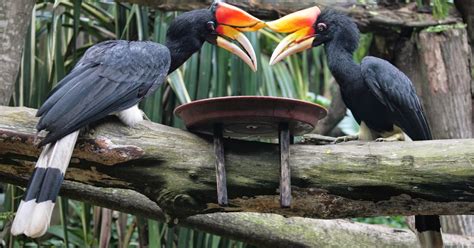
(321, 27)
(211, 26)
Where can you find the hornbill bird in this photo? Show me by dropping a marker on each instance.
(381, 98)
(111, 78)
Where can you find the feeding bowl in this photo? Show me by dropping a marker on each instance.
(243, 116)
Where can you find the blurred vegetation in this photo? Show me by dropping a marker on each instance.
(441, 8)
(391, 221)
(63, 30)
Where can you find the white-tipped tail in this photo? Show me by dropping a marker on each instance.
(34, 213)
(40, 219)
(22, 218)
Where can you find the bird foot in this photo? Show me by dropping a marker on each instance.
(393, 138)
(345, 138)
(145, 116)
(87, 130)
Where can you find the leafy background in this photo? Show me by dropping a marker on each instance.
(63, 30)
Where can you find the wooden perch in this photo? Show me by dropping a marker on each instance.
(162, 172)
(175, 169)
(367, 17)
(271, 230)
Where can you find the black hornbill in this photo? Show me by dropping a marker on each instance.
(111, 78)
(381, 98)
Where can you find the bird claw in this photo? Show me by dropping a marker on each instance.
(145, 116)
(392, 138)
(345, 139)
(389, 139)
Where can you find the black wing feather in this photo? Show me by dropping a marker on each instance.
(110, 77)
(395, 90)
(75, 76)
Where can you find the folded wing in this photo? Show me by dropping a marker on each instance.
(111, 76)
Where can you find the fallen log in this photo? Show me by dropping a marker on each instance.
(175, 169)
(271, 230)
(162, 173)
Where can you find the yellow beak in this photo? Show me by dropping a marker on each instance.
(300, 25)
(231, 21)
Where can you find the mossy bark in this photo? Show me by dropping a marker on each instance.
(162, 173)
(175, 169)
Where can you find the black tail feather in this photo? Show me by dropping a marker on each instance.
(428, 229)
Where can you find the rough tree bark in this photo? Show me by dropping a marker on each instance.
(467, 10)
(15, 17)
(176, 169)
(438, 64)
(444, 85)
(303, 232)
(156, 171)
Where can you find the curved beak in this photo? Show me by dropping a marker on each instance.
(300, 25)
(231, 22)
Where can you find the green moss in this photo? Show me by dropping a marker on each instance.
(442, 28)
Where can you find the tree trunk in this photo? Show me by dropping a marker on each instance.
(15, 17)
(439, 65)
(467, 10)
(464, 224)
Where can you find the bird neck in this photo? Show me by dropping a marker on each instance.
(181, 50)
(342, 65)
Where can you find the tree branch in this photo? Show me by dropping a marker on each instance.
(264, 230)
(368, 18)
(161, 172)
(175, 169)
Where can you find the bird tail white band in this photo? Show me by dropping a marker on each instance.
(34, 213)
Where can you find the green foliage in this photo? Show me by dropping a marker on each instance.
(441, 8)
(364, 46)
(391, 221)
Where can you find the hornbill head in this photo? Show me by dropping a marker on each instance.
(229, 22)
(312, 27)
(221, 25)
